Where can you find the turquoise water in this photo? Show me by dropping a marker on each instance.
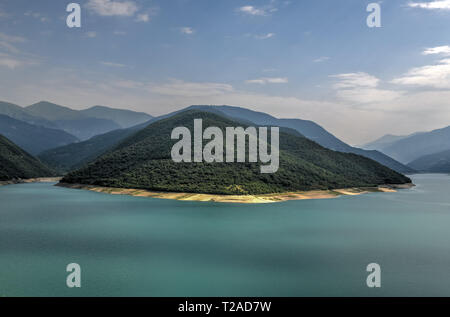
(131, 246)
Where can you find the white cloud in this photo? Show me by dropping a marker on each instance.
(190, 89)
(368, 95)
(321, 59)
(9, 47)
(10, 56)
(11, 39)
(264, 36)
(434, 76)
(110, 64)
(91, 34)
(438, 50)
(355, 80)
(268, 80)
(261, 11)
(187, 30)
(13, 62)
(112, 8)
(37, 15)
(77, 88)
(362, 88)
(433, 5)
(144, 17)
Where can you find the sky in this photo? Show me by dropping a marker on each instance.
(316, 60)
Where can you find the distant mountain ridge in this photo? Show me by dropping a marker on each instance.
(83, 124)
(433, 163)
(33, 138)
(417, 145)
(65, 158)
(382, 142)
(310, 130)
(125, 118)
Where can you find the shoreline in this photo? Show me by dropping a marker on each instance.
(31, 180)
(242, 199)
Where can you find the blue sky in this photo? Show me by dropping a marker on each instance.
(314, 60)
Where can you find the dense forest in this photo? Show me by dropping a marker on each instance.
(15, 163)
(143, 161)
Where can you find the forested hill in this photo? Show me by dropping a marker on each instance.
(15, 163)
(143, 161)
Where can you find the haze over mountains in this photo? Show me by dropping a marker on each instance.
(423, 151)
(309, 129)
(41, 129)
(69, 156)
(33, 138)
(82, 124)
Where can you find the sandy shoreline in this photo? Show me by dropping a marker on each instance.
(242, 199)
(31, 180)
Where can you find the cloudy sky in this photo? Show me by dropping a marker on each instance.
(314, 60)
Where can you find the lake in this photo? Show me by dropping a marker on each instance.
(132, 246)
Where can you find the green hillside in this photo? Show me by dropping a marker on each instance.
(143, 161)
(17, 164)
(75, 155)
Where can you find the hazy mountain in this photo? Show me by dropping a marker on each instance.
(33, 139)
(143, 161)
(19, 113)
(53, 112)
(382, 142)
(15, 163)
(420, 144)
(309, 129)
(72, 121)
(433, 163)
(125, 118)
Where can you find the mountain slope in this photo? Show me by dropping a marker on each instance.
(72, 121)
(33, 139)
(19, 113)
(17, 164)
(143, 161)
(383, 142)
(309, 129)
(124, 118)
(73, 156)
(433, 163)
(417, 145)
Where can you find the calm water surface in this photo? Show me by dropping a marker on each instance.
(131, 246)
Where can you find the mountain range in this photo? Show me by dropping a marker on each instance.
(309, 129)
(33, 138)
(67, 157)
(143, 161)
(423, 151)
(83, 124)
(433, 163)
